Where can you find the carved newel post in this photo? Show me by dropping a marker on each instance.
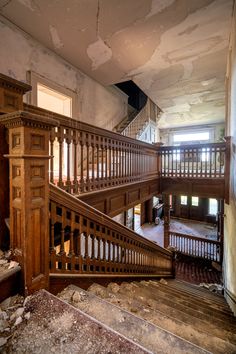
(166, 220)
(29, 195)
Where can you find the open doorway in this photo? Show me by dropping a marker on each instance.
(137, 217)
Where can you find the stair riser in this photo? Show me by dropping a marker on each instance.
(200, 305)
(168, 302)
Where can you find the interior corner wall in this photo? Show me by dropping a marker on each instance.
(229, 265)
(102, 106)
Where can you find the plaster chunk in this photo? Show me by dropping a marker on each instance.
(99, 53)
(30, 4)
(57, 42)
(158, 6)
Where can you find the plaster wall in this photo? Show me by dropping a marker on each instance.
(20, 53)
(230, 210)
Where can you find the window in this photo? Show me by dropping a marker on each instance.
(195, 201)
(213, 206)
(52, 96)
(183, 200)
(199, 136)
(53, 100)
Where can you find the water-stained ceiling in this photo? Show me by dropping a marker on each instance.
(174, 50)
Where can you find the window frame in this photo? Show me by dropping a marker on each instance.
(184, 196)
(34, 79)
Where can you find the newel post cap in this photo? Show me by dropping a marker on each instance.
(27, 119)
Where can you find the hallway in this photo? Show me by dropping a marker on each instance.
(190, 227)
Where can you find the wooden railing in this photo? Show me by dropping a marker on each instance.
(85, 241)
(196, 246)
(193, 161)
(137, 124)
(85, 158)
(148, 113)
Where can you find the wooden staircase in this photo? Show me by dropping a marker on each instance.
(166, 316)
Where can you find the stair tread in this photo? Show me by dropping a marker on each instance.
(193, 330)
(196, 290)
(195, 302)
(132, 326)
(148, 296)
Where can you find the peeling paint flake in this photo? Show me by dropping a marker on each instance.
(30, 4)
(158, 6)
(56, 40)
(99, 53)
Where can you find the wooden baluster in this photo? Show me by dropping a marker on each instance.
(113, 252)
(72, 228)
(62, 247)
(68, 142)
(125, 163)
(52, 139)
(75, 143)
(82, 162)
(117, 164)
(102, 162)
(113, 164)
(98, 164)
(103, 249)
(93, 162)
(99, 248)
(110, 162)
(60, 142)
(106, 165)
(109, 251)
(92, 246)
(88, 164)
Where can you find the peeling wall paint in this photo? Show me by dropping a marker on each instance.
(230, 210)
(102, 106)
(57, 42)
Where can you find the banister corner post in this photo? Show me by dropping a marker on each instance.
(29, 195)
(166, 220)
(173, 263)
(11, 99)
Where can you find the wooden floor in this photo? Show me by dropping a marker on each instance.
(196, 271)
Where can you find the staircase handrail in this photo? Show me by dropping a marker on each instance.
(123, 250)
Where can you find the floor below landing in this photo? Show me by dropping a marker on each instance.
(190, 269)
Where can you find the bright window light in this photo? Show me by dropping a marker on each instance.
(183, 200)
(53, 100)
(191, 137)
(195, 201)
(213, 206)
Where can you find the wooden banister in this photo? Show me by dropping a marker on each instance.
(89, 158)
(84, 240)
(196, 246)
(193, 161)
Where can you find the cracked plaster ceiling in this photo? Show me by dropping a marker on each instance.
(174, 50)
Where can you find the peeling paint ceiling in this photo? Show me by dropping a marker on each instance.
(174, 50)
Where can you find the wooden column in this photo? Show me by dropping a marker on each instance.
(11, 99)
(148, 210)
(166, 219)
(29, 195)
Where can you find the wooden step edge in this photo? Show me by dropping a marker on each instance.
(188, 287)
(207, 301)
(10, 282)
(195, 313)
(197, 307)
(140, 320)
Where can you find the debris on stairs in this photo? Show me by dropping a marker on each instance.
(56, 327)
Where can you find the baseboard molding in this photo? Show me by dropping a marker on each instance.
(231, 300)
